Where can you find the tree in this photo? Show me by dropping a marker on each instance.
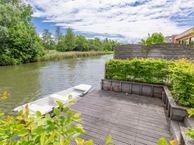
(67, 42)
(81, 43)
(107, 45)
(47, 40)
(58, 34)
(95, 44)
(19, 42)
(155, 38)
(114, 44)
(13, 2)
(71, 42)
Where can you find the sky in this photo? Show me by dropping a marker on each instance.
(122, 20)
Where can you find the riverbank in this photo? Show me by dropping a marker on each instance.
(56, 55)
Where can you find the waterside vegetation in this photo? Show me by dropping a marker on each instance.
(20, 43)
(56, 55)
(72, 42)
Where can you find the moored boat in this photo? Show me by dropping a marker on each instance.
(48, 103)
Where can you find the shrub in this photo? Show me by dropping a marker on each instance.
(179, 75)
(163, 141)
(183, 82)
(19, 42)
(190, 131)
(140, 70)
(7, 60)
(25, 129)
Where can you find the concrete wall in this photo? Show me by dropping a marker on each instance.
(167, 51)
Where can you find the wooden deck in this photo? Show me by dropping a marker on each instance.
(130, 119)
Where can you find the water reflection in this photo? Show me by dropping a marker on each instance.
(19, 81)
(31, 81)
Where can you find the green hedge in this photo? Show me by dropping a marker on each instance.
(183, 82)
(179, 75)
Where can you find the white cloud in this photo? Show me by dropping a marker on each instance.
(115, 16)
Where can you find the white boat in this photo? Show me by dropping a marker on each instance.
(48, 103)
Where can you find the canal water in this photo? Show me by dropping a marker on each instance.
(29, 82)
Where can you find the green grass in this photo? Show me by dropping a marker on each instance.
(56, 55)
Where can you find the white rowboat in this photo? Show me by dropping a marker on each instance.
(48, 103)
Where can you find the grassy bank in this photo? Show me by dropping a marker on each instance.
(56, 55)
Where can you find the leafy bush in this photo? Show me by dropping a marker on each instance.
(183, 82)
(190, 131)
(140, 70)
(178, 74)
(190, 112)
(162, 141)
(7, 60)
(25, 129)
(19, 42)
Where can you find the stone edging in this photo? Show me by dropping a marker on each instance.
(174, 111)
(132, 88)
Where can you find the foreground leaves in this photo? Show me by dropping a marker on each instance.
(163, 141)
(25, 129)
(190, 131)
(190, 112)
(41, 130)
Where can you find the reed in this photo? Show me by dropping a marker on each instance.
(56, 55)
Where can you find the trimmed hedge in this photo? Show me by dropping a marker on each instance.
(178, 74)
(183, 82)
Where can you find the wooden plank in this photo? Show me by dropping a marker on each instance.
(130, 119)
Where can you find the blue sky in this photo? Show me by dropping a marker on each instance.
(122, 20)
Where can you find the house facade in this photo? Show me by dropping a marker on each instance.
(186, 37)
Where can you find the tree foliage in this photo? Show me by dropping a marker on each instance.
(18, 38)
(58, 34)
(81, 43)
(19, 42)
(72, 42)
(155, 38)
(47, 40)
(67, 42)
